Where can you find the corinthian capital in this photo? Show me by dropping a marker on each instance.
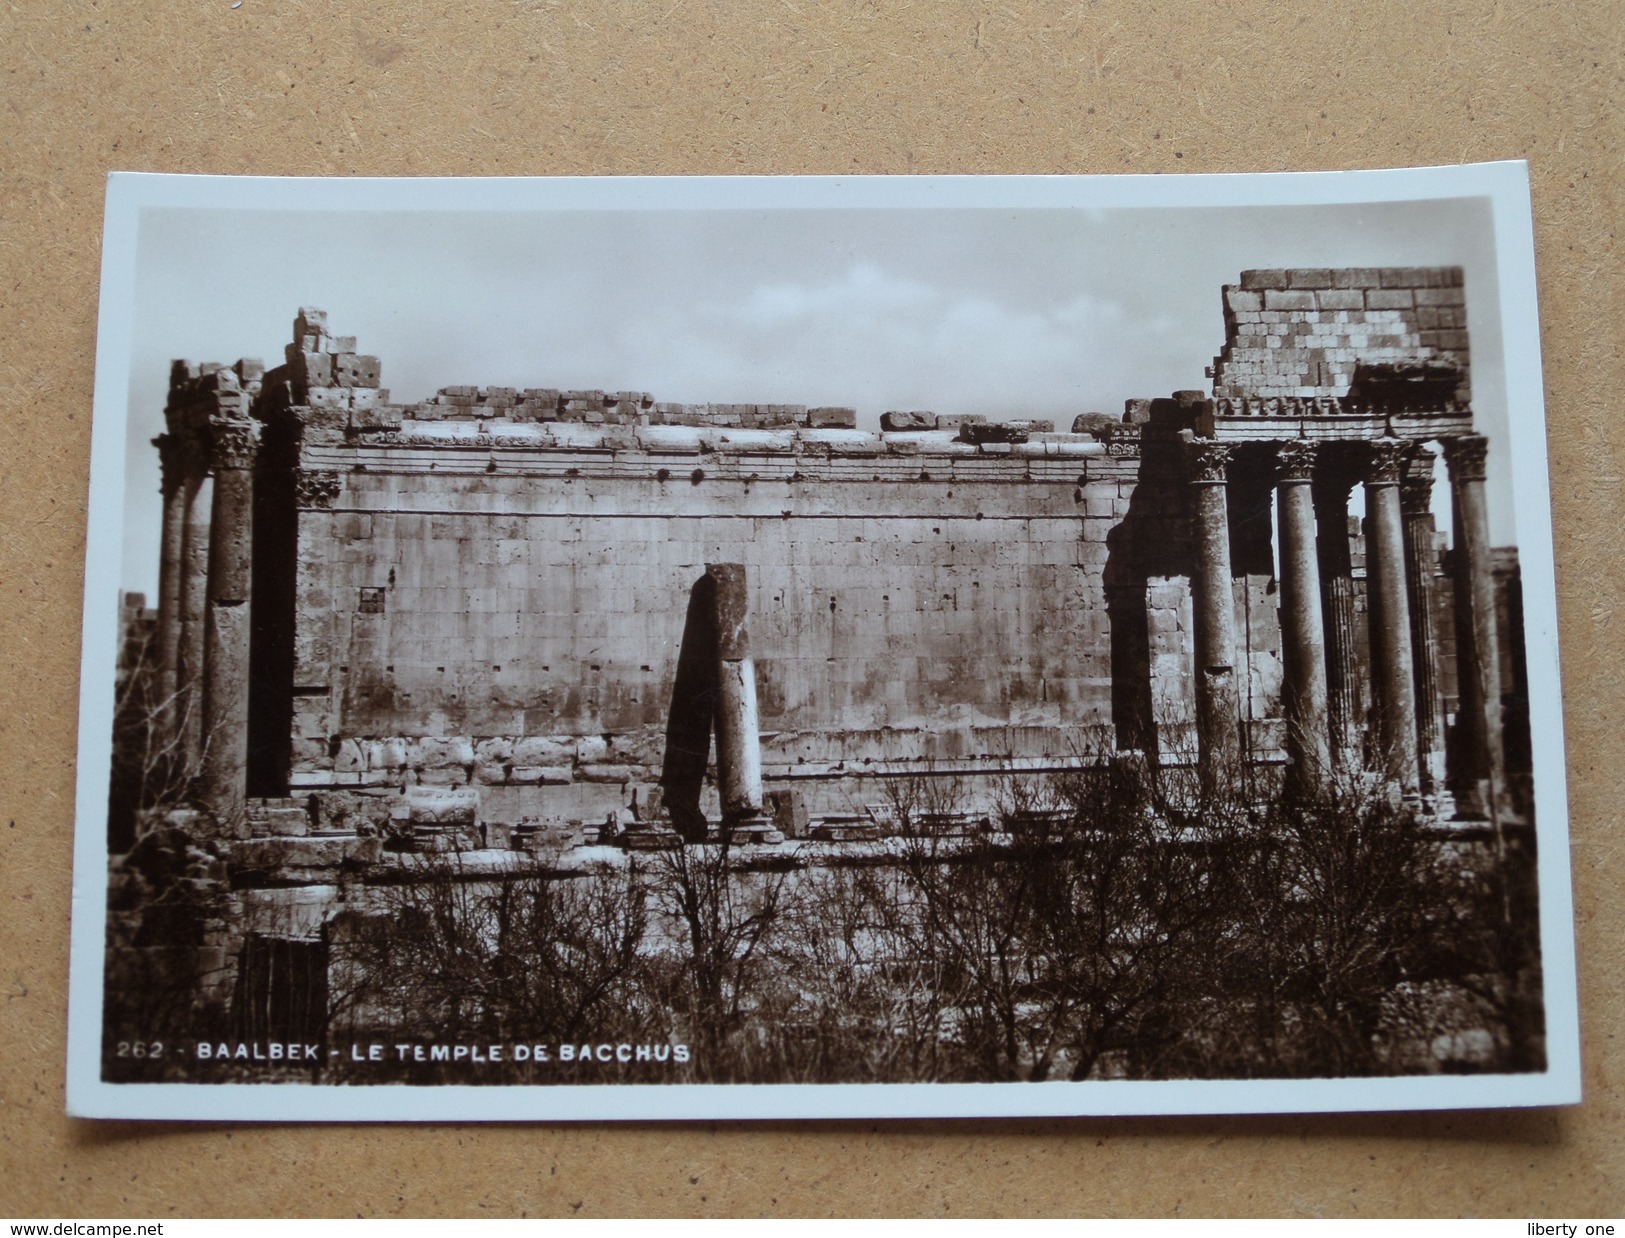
(1466, 456)
(233, 443)
(1208, 462)
(1386, 461)
(1295, 460)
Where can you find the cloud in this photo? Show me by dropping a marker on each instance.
(879, 339)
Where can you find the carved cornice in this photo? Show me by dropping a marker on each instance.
(1466, 457)
(233, 443)
(1207, 462)
(1121, 440)
(1301, 406)
(466, 440)
(1278, 406)
(1295, 461)
(1386, 461)
(316, 487)
(1416, 486)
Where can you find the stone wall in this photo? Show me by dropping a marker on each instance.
(489, 588)
(1309, 332)
(504, 604)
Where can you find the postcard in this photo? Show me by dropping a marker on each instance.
(568, 649)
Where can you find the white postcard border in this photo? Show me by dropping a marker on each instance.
(1506, 184)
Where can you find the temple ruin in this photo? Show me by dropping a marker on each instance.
(502, 619)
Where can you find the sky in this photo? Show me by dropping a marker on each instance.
(1025, 312)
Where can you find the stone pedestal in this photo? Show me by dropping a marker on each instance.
(1218, 722)
(1481, 775)
(1392, 672)
(223, 784)
(1303, 632)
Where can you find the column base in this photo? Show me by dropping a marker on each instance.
(754, 829)
(649, 836)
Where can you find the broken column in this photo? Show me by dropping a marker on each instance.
(1218, 722)
(739, 752)
(1303, 633)
(1482, 772)
(1392, 674)
(233, 442)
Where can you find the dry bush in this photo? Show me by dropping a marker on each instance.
(532, 958)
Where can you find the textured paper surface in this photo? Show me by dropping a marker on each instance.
(538, 88)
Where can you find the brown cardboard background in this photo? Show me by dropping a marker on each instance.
(787, 86)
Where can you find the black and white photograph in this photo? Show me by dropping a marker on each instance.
(915, 646)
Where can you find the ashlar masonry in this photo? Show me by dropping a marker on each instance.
(501, 614)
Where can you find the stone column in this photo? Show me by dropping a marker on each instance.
(198, 501)
(1482, 773)
(1392, 673)
(1303, 632)
(233, 444)
(172, 466)
(1218, 721)
(739, 750)
(1421, 561)
(1343, 691)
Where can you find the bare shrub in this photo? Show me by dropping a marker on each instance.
(151, 770)
(533, 958)
(860, 999)
(716, 976)
(1079, 929)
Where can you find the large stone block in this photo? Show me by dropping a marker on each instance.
(310, 369)
(1341, 299)
(388, 754)
(908, 421)
(1278, 299)
(439, 753)
(541, 775)
(832, 418)
(498, 749)
(544, 750)
(442, 806)
(1252, 280)
(591, 749)
(352, 370)
(643, 747)
(1389, 298)
(1357, 277)
(281, 822)
(1309, 277)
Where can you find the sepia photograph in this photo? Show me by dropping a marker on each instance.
(916, 646)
